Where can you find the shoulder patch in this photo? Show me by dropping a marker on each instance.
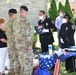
(52, 21)
(66, 28)
(73, 27)
(46, 23)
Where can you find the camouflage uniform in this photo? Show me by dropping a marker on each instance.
(23, 41)
(11, 45)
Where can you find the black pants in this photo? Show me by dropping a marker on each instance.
(70, 64)
(59, 42)
(44, 47)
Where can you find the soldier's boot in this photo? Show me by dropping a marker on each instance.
(17, 74)
(11, 74)
(17, 71)
(28, 72)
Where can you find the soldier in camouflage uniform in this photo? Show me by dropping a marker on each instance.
(23, 42)
(10, 40)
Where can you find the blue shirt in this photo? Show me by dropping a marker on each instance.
(58, 22)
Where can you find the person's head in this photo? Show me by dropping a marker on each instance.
(66, 18)
(2, 23)
(61, 13)
(12, 13)
(42, 14)
(23, 11)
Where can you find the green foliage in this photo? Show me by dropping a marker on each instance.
(61, 7)
(9, 1)
(53, 13)
(68, 10)
(55, 47)
(63, 70)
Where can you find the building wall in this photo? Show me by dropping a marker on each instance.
(33, 5)
(73, 6)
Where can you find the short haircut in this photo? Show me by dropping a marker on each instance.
(2, 20)
(24, 7)
(12, 11)
(42, 11)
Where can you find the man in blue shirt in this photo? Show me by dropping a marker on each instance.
(59, 22)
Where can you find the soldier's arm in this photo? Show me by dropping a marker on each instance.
(29, 34)
(52, 25)
(17, 36)
(71, 30)
(7, 27)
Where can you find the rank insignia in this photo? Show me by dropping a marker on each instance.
(46, 24)
(73, 27)
(66, 28)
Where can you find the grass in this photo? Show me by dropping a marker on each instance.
(63, 71)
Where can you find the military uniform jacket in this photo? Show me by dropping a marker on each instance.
(9, 32)
(23, 33)
(47, 38)
(67, 34)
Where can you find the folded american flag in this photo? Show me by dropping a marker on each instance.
(57, 67)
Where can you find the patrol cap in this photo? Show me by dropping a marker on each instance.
(12, 11)
(24, 8)
(67, 16)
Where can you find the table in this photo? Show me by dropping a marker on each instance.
(48, 61)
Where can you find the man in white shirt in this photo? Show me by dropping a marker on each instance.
(59, 22)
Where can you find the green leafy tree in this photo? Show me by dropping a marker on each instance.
(8, 1)
(68, 10)
(61, 7)
(53, 13)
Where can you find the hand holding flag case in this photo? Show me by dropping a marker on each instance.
(39, 29)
